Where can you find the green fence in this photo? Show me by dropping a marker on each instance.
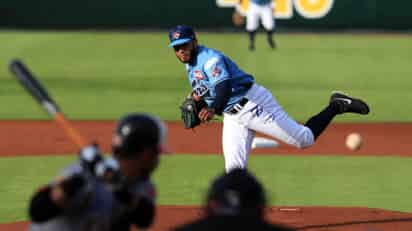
(115, 14)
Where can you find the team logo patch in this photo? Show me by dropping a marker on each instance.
(216, 72)
(176, 35)
(198, 74)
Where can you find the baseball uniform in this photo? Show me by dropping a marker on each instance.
(261, 113)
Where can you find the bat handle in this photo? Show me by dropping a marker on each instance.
(69, 130)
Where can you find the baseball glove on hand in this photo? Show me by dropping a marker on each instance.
(190, 109)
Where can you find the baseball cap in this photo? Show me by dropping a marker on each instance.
(181, 34)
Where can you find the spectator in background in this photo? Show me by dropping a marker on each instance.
(235, 201)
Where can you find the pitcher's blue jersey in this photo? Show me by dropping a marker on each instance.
(209, 68)
(261, 2)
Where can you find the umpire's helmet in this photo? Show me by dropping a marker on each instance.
(235, 193)
(135, 132)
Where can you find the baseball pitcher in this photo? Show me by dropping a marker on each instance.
(247, 107)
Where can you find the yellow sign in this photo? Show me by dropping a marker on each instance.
(311, 9)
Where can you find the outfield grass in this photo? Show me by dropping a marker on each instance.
(290, 180)
(104, 75)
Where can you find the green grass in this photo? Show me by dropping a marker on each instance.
(103, 75)
(20, 178)
(183, 179)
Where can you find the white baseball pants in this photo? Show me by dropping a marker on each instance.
(263, 114)
(256, 12)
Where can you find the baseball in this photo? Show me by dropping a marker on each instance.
(354, 141)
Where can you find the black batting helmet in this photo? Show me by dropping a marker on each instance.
(135, 132)
(235, 193)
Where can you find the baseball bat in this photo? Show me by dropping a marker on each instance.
(39, 93)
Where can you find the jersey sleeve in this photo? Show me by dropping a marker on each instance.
(216, 69)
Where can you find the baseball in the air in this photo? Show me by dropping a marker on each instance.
(354, 141)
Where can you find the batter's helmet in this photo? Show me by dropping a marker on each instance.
(135, 132)
(235, 193)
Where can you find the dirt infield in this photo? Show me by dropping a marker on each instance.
(45, 137)
(20, 138)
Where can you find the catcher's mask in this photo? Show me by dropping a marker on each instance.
(236, 193)
(136, 132)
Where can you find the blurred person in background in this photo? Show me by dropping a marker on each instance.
(235, 201)
(105, 194)
(260, 10)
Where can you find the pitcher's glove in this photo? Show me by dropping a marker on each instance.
(190, 109)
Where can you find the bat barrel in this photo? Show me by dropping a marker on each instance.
(30, 83)
(34, 87)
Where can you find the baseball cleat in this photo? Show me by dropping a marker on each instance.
(350, 104)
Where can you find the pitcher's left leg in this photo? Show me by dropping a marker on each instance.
(283, 128)
(268, 117)
(339, 103)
